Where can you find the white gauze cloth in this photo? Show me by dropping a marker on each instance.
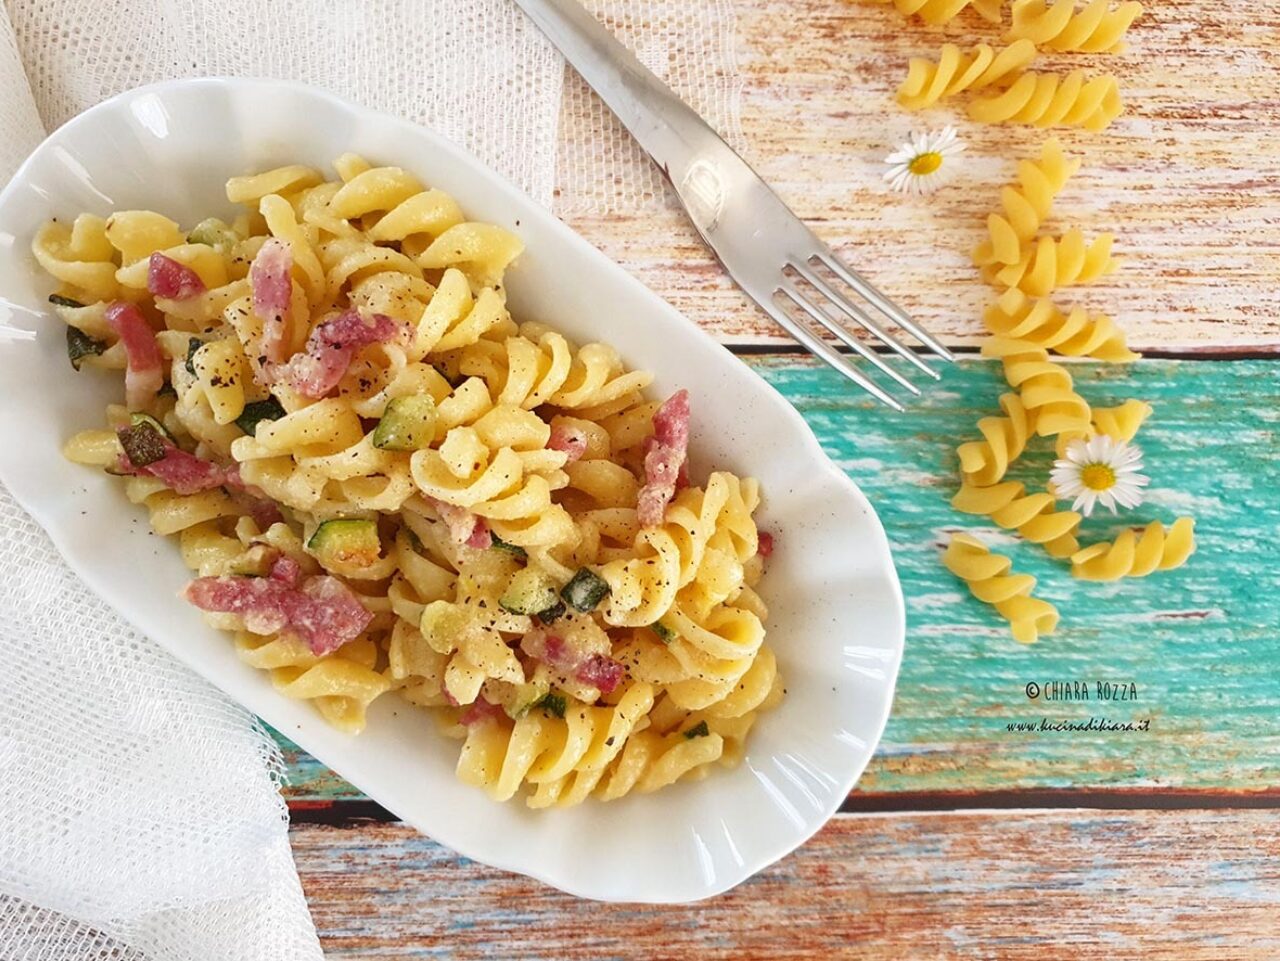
(142, 817)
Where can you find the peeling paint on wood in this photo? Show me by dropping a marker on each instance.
(1200, 644)
(1188, 179)
(1020, 886)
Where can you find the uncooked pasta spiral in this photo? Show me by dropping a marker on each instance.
(1058, 25)
(940, 11)
(1073, 333)
(1031, 515)
(1026, 205)
(954, 71)
(1120, 423)
(1043, 386)
(990, 580)
(1048, 100)
(984, 462)
(1131, 555)
(1051, 264)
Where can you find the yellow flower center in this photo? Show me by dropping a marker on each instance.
(925, 163)
(1098, 477)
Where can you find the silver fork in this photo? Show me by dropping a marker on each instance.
(791, 274)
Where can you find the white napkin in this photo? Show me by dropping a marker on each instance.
(142, 818)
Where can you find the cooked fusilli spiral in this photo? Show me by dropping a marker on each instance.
(1131, 555)
(929, 82)
(990, 580)
(383, 483)
(1048, 100)
(1025, 206)
(1058, 25)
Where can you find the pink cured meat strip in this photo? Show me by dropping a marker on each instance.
(664, 460)
(570, 440)
(185, 473)
(464, 526)
(764, 545)
(598, 670)
(174, 281)
(323, 612)
(144, 370)
(330, 349)
(270, 277)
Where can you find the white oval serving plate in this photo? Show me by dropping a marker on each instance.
(836, 607)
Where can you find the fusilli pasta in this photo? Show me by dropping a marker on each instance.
(1050, 100)
(383, 483)
(991, 581)
(1158, 548)
(1059, 25)
(955, 71)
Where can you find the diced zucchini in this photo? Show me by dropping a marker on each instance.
(529, 592)
(80, 345)
(193, 345)
(551, 613)
(143, 444)
(665, 634)
(346, 543)
(213, 232)
(585, 590)
(553, 704)
(137, 418)
(698, 730)
(255, 412)
(526, 697)
(408, 423)
(498, 544)
(61, 301)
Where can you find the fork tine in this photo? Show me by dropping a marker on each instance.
(845, 337)
(824, 351)
(861, 317)
(883, 303)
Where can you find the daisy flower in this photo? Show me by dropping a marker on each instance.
(924, 162)
(1099, 469)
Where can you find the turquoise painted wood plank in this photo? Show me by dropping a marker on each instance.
(1201, 645)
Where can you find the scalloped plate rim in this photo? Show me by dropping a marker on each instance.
(42, 512)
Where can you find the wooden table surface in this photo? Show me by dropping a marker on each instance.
(966, 839)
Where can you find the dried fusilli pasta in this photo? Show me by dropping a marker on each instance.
(1050, 100)
(1073, 333)
(1157, 548)
(1031, 515)
(991, 581)
(954, 71)
(1059, 25)
(1025, 206)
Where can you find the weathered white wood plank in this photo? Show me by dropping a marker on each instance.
(1188, 885)
(1189, 179)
